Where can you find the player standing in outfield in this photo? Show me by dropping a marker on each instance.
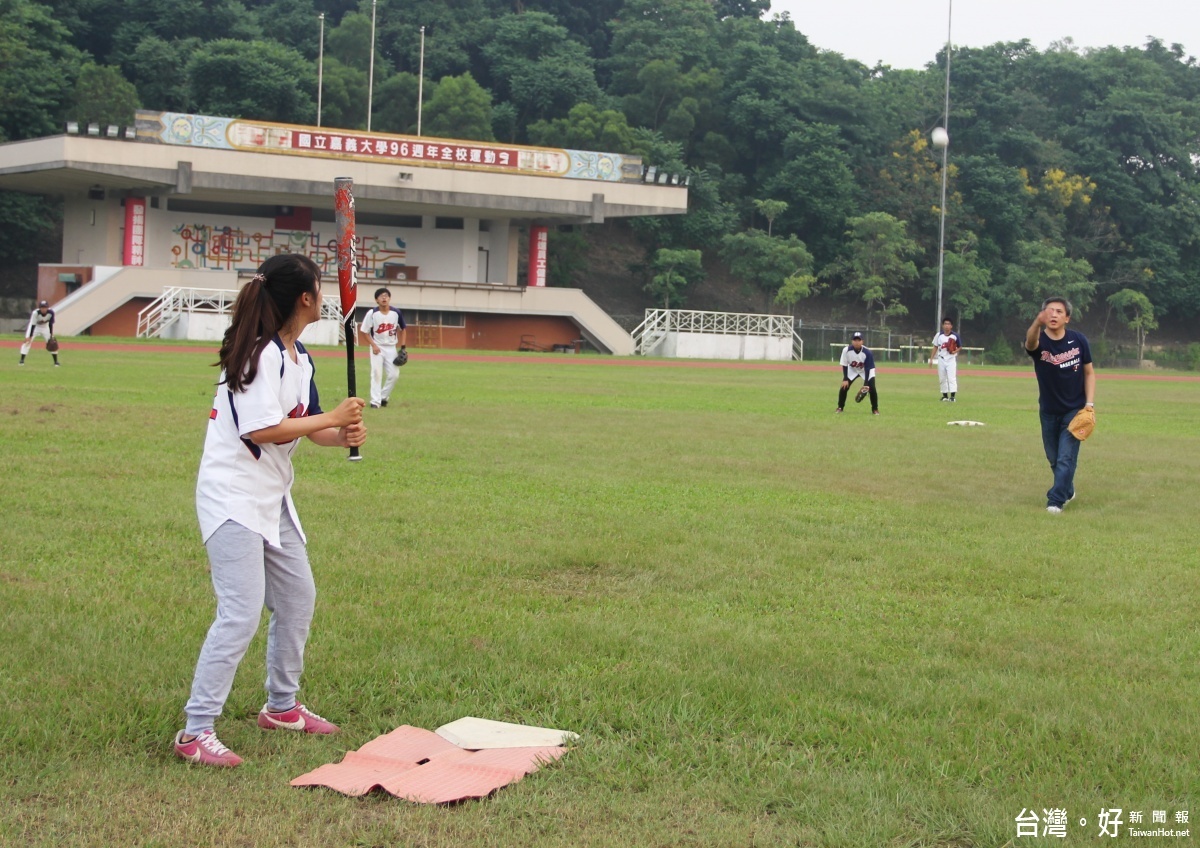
(857, 361)
(946, 345)
(41, 323)
(266, 401)
(1062, 362)
(384, 328)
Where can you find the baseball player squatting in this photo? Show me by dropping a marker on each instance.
(858, 361)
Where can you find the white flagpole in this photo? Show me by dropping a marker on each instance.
(320, 67)
(421, 83)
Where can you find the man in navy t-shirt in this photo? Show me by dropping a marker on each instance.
(1062, 362)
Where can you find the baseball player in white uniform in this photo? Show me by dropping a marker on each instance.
(384, 328)
(41, 324)
(946, 345)
(858, 361)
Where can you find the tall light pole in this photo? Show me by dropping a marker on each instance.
(421, 83)
(371, 72)
(320, 67)
(941, 138)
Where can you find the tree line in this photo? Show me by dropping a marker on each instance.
(1070, 171)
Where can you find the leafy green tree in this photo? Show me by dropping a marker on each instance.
(294, 23)
(770, 209)
(675, 270)
(25, 221)
(395, 104)
(586, 127)
(768, 262)
(795, 288)
(253, 79)
(818, 186)
(965, 281)
(1039, 270)
(38, 67)
(533, 64)
(158, 69)
(669, 31)
(566, 256)
(459, 108)
(505, 123)
(344, 96)
(876, 263)
(1136, 312)
(742, 8)
(103, 95)
(586, 22)
(350, 42)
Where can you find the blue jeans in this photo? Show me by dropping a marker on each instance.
(1062, 450)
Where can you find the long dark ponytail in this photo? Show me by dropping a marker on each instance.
(263, 307)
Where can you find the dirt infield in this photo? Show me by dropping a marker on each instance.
(567, 359)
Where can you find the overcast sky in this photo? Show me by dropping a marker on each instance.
(909, 33)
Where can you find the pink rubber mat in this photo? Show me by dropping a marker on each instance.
(420, 766)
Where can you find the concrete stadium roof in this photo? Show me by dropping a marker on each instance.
(71, 165)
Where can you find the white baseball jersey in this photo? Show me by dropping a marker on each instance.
(41, 324)
(858, 363)
(247, 483)
(942, 342)
(384, 330)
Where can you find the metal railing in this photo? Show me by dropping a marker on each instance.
(649, 334)
(176, 301)
(659, 322)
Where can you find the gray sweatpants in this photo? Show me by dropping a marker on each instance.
(246, 574)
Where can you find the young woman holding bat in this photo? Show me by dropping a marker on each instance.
(266, 401)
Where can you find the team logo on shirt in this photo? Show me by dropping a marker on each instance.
(1066, 359)
(298, 411)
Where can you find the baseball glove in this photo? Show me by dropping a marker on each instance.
(952, 345)
(52, 344)
(401, 357)
(862, 393)
(1083, 423)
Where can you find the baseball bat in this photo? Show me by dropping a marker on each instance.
(343, 208)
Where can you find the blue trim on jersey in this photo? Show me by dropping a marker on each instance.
(254, 449)
(314, 401)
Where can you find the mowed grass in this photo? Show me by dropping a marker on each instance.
(769, 625)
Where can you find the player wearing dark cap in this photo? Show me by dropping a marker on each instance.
(857, 361)
(41, 324)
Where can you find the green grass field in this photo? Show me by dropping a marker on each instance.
(770, 625)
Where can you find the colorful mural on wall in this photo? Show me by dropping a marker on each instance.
(262, 137)
(231, 248)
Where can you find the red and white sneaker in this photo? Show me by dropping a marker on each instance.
(299, 718)
(207, 750)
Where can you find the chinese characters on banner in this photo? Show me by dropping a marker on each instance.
(135, 231)
(433, 152)
(538, 239)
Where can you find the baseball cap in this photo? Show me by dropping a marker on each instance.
(856, 336)
(42, 303)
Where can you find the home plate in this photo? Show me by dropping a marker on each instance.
(965, 424)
